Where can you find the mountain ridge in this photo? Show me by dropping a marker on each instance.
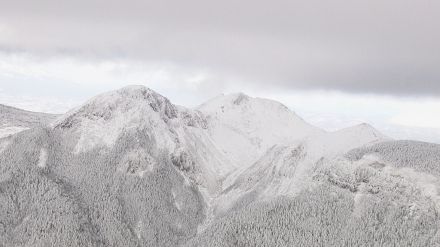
(130, 168)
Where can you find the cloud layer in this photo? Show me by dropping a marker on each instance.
(374, 46)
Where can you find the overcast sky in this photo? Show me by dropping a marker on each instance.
(335, 62)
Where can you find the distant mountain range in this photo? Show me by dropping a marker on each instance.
(129, 168)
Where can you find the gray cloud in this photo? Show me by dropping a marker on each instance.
(374, 46)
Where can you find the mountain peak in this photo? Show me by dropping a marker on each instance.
(135, 87)
(240, 101)
(364, 125)
(245, 127)
(104, 118)
(240, 98)
(365, 128)
(135, 90)
(121, 101)
(129, 93)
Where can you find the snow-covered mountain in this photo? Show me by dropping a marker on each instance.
(129, 168)
(14, 120)
(244, 128)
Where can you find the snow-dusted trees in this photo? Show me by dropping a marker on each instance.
(348, 204)
(127, 195)
(134, 194)
(421, 156)
(326, 216)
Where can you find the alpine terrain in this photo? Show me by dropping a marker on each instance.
(14, 120)
(130, 168)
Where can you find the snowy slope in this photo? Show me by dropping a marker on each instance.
(383, 193)
(287, 169)
(244, 128)
(13, 120)
(339, 142)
